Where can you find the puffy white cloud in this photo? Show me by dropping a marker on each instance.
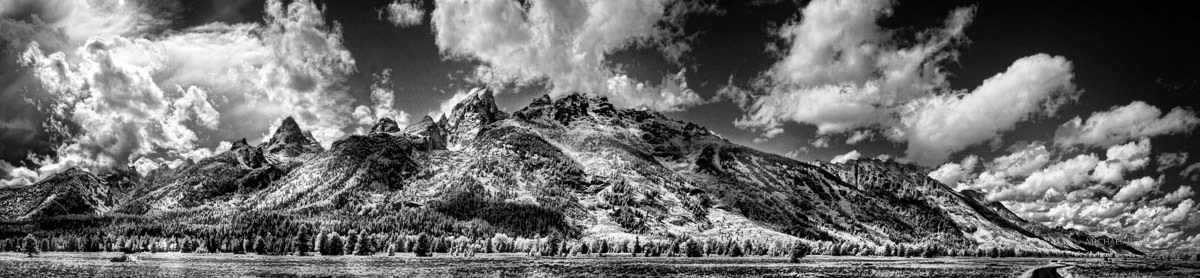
(16, 176)
(1120, 159)
(843, 158)
(946, 124)
(1180, 194)
(1062, 177)
(1068, 194)
(1146, 226)
(951, 173)
(1180, 212)
(404, 14)
(672, 94)
(135, 95)
(116, 103)
(1123, 123)
(843, 72)
(1135, 189)
(566, 43)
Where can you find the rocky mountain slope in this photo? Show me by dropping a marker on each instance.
(579, 167)
(72, 191)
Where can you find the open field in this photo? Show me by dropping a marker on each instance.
(514, 265)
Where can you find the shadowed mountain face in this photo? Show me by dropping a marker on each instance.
(579, 167)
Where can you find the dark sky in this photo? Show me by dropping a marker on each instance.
(1119, 54)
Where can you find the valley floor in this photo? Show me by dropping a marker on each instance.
(518, 265)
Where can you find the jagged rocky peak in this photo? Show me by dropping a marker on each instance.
(122, 177)
(427, 133)
(239, 144)
(248, 157)
(290, 141)
(472, 115)
(566, 109)
(385, 126)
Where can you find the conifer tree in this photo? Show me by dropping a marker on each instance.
(30, 246)
(799, 251)
(692, 248)
(301, 243)
(260, 245)
(423, 245)
(334, 244)
(603, 248)
(737, 251)
(637, 246)
(351, 243)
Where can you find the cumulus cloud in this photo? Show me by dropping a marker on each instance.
(404, 14)
(1073, 193)
(945, 124)
(1180, 194)
(951, 173)
(843, 158)
(1062, 177)
(672, 94)
(15, 176)
(1123, 123)
(135, 96)
(1135, 189)
(566, 43)
(1121, 159)
(842, 72)
(1180, 212)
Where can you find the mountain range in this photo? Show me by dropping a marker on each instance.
(575, 166)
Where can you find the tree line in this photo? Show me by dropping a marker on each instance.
(363, 243)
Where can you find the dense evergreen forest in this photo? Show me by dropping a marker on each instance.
(419, 232)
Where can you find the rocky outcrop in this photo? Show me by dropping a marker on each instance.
(472, 115)
(427, 135)
(566, 110)
(248, 157)
(385, 126)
